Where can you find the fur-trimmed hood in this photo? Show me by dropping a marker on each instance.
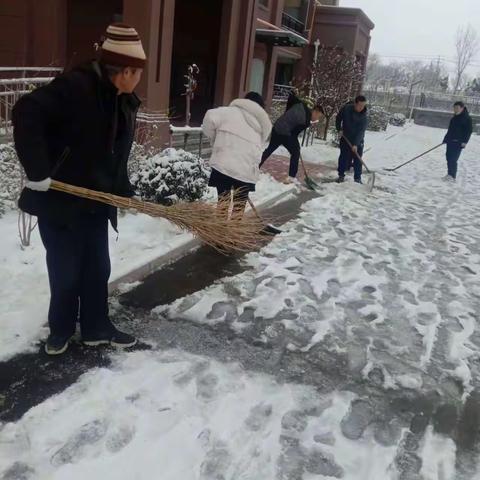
(255, 116)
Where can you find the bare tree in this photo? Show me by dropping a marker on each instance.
(466, 45)
(336, 78)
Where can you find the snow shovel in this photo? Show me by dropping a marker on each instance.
(309, 182)
(269, 229)
(371, 179)
(410, 161)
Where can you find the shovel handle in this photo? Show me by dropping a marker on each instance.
(303, 166)
(349, 143)
(415, 158)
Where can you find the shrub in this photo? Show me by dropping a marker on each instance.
(170, 176)
(10, 177)
(398, 120)
(378, 119)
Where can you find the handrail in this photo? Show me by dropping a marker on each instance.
(291, 23)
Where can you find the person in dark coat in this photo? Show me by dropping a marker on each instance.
(351, 123)
(457, 137)
(297, 118)
(79, 129)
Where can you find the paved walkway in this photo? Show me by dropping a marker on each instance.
(277, 166)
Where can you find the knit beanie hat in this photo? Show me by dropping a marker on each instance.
(122, 47)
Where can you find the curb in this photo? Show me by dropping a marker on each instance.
(172, 256)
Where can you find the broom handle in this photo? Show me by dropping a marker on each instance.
(356, 153)
(254, 209)
(417, 157)
(102, 197)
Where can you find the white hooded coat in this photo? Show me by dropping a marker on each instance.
(238, 134)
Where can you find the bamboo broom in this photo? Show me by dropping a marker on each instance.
(204, 220)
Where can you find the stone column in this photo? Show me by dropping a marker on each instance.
(154, 21)
(237, 40)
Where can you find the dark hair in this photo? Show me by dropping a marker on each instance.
(360, 98)
(459, 104)
(255, 97)
(320, 109)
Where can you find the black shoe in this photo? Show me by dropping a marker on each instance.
(358, 180)
(340, 179)
(115, 338)
(57, 344)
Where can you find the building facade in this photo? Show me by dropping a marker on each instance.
(238, 45)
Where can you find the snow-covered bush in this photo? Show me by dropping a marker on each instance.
(378, 119)
(138, 156)
(10, 177)
(170, 176)
(398, 120)
(333, 136)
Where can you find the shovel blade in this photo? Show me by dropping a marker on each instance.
(311, 185)
(371, 181)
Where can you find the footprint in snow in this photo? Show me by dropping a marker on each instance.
(120, 438)
(207, 386)
(19, 471)
(74, 449)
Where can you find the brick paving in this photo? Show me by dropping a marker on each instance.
(277, 166)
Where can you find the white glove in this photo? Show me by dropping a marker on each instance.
(41, 186)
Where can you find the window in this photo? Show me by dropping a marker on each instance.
(296, 9)
(257, 75)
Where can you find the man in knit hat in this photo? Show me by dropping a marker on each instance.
(79, 130)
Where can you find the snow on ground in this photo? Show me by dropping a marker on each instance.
(388, 281)
(25, 291)
(370, 299)
(171, 416)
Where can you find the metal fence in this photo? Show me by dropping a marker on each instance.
(281, 92)
(403, 102)
(15, 82)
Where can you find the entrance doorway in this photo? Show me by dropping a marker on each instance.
(196, 39)
(86, 24)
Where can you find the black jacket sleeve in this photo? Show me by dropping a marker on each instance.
(448, 134)
(32, 116)
(468, 129)
(339, 119)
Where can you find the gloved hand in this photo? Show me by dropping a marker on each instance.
(41, 186)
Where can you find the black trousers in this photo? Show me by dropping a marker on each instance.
(347, 157)
(78, 264)
(454, 150)
(291, 143)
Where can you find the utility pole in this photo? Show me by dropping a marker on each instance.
(413, 84)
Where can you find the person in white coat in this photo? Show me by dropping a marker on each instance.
(238, 134)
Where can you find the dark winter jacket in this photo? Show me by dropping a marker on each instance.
(79, 131)
(353, 123)
(295, 120)
(460, 129)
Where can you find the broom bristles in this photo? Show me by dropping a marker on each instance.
(207, 221)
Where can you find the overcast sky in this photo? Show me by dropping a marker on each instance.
(418, 27)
